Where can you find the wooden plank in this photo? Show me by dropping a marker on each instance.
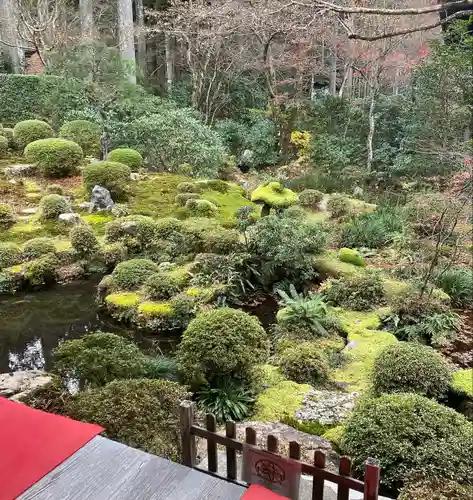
(211, 425)
(250, 435)
(318, 482)
(372, 476)
(350, 482)
(343, 491)
(230, 432)
(273, 444)
(188, 439)
(294, 450)
(225, 441)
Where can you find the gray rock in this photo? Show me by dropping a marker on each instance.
(15, 385)
(244, 184)
(326, 407)
(351, 345)
(85, 205)
(20, 170)
(134, 176)
(70, 218)
(101, 199)
(130, 227)
(29, 211)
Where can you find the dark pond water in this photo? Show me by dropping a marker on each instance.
(33, 324)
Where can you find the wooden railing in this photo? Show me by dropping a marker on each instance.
(189, 430)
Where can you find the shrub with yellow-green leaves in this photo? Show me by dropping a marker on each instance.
(31, 130)
(131, 274)
(310, 198)
(55, 157)
(84, 240)
(127, 156)
(7, 217)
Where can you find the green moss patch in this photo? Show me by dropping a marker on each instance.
(366, 343)
(331, 266)
(97, 221)
(155, 309)
(283, 399)
(463, 381)
(123, 300)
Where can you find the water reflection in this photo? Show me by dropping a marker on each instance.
(33, 324)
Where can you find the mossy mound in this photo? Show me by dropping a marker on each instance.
(123, 300)
(154, 309)
(463, 381)
(351, 256)
(274, 194)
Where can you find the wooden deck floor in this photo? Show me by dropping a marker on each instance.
(106, 470)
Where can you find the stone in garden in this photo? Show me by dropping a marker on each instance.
(326, 407)
(351, 345)
(70, 218)
(18, 384)
(130, 227)
(29, 211)
(20, 170)
(85, 205)
(134, 176)
(101, 199)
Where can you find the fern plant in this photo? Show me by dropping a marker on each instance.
(304, 310)
(226, 400)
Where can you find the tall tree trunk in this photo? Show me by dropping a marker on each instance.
(126, 36)
(169, 62)
(140, 21)
(333, 73)
(86, 10)
(9, 33)
(369, 140)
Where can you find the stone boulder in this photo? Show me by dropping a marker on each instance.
(326, 407)
(100, 199)
(20, 171)
(15, 385)
(70, 218)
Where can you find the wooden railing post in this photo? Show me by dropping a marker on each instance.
(318, 482)
(343, 492)
(211, 425)
(187, 438)
(371, 479)
(230, 431)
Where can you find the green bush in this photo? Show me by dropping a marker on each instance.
(201, 208)
(143, 414)
(108, 174)
(223, 342)
(141, 228)
(181, 198)
(83, 240)
(338, 206)
(31, 130)
(411, 367)
(99, 358)
(161, 285)
(112, 254)
(223, 241)
(54, 189)
(436, 489)
(218, 185)
(3, 146)
(85, 133)
(174, 137)
(351, 256)
(8, 134)
(409, 434)
(38, 247)
(304, 363)
(129, 157)
(310, 198)
(188, 187)
(10, 254)
(7, 217)
(54, 157)
(360, 292)
(458, 284)
(41, 271)
(51, 206)
(133, 273)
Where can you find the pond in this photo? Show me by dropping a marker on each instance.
(32, 324)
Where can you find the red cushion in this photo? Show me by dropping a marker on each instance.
(257, 492)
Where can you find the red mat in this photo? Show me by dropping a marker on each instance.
(257, 492)
(33, 442)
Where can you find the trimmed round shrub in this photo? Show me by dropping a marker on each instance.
(133, 273)
(201, 208)
(38, 247)
(360, 292)
(10, 254)
(218, 185)
(127, 156)
(220, 241)
(54, 189)
(409, 434)
(113, 253)
(188, 187)
(31, 130)
(108, 174)
(143, 414)
(141, 228)
(98, 358)
(411, 367)
(83, 240)
(338, 206)
(436, 489)
(7, 217)
(41, 271)
(304, 363)
(8, 134)
(351, 256)
(3, 146)
(52, 205)
(54, 157)
(310, 198)
(161, 286)
(181, 198)
(222, 342)
(85, 133)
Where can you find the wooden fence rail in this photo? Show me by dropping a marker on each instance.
(189, 430)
